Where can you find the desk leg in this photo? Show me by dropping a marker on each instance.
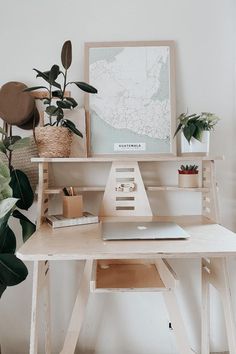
(205, 314)
(215, 272)
(177, 323)
(40, 283)
(78, 312)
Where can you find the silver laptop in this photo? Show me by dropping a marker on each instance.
(142, 231)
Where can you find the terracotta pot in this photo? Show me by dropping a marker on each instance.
(53, 141)
(188, 180)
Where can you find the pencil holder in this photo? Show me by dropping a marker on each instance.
(73, 206)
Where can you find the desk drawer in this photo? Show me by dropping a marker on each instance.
(125, 275)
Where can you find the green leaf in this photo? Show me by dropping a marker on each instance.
(5, 191)
(70, 125)
(2, 289)
(53, 74)
(178, 129)
(64, 104)
(7, 241)
(85, 87)
(198, 133)
(11, 140)
(66, 55)
(20, 144)
(57, 93)
(6, 206)
(2, 131)
(2, 147)
(28, 228)
(52, 110)
(4, 171)
(72, 100)
(188, 131)
(29, 89)
(12, 270)
(21, 189)
(43, 75)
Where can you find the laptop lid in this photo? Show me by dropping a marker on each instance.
(142, 231)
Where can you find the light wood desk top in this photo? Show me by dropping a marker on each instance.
(84, 242)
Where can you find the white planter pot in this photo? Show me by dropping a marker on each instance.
(188, 181)
(195, 146)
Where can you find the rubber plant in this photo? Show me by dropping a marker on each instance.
(15, 194)
(57, 83)
(12, 270)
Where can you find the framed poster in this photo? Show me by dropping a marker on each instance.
(134, 110)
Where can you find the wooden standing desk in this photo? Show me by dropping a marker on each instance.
(132, 265)
(209, 241)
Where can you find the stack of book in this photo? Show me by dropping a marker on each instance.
(60, 221)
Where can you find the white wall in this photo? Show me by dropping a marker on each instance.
(31, 35)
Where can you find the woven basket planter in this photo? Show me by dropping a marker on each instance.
(53, 141)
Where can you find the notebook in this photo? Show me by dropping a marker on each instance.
(152, 230)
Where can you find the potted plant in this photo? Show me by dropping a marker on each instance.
(55, 137)
(12, 270)
(188, 176)
(195, 131)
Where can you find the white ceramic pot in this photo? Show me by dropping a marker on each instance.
(188, 181)
(195, 146)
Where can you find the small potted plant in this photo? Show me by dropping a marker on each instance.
(55, 137)
(195, 132)
(188, 176)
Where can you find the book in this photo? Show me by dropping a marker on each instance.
(60, 221)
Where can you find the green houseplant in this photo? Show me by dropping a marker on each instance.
(12, 270)
(55, 138)
(195, 130)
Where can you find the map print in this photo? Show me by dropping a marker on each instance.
(132, 107)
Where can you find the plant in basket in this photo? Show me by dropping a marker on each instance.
(55, 137)
(188, 176)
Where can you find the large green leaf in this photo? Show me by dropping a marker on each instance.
(57, 93)
(6, 206)
(21, 189)
(28, 228)
(2, 131)
(66, 54)
(21, 143)
(52, 110)
(2, 147)
(72, 101)
(45, 75)
(2, 289)
(5, 191)
(53, 74)
(7, 241)
(85, 87)
(64, 104)
(67, 123)
(12, 270)
(188, 131)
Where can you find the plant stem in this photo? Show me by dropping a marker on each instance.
(10, 152)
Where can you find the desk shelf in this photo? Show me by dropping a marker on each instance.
(55, 190)
(122, 277)
(133, 158)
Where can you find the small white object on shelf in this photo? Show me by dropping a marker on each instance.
(60, 221)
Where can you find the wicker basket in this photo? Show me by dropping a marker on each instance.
(53, 141)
